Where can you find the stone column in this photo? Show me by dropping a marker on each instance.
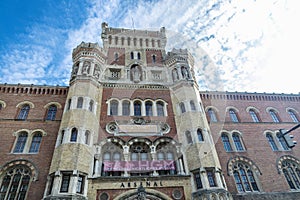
(80, 68)
(154, 157)
(56, 183)
(126, 156)
(143, 109)
(92, 69)
(179, 73)
(154, 108)
(131, 109)
(181, 167)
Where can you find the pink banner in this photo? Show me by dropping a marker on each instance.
(147, 165)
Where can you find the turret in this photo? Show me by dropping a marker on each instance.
(198, 148)
(73, 157)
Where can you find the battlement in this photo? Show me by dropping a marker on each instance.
(89, 50)
(118, 37)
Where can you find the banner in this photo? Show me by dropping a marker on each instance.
(147, 165)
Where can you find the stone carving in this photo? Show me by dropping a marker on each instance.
(175, 75)
(185, 73)
(74, 71)
(97, 71)
(86, 68)
(136, 74)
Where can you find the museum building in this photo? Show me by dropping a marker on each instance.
(132, 124)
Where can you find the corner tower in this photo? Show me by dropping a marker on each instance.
(74, 152)
(193, 131)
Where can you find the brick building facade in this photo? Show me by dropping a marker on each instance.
(133, 124)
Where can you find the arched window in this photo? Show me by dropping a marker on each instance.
(132, 55)
(62, 137)
(274, 116)
(212, 115)
(211, 178)
(291, 173)
(79, 102)
(111, 154)
(140, 151)
(198, 181)
(226, 142)
(137, 108)
(282, 142)
(160, 108)
(106, 156)
(117, 156)
(293, 116)
(170, 156)
(189, 138)
(87, 137)
(153, 58)
(148, 105)
(272, 142)
(184, 72)
(126, 108)
(182, 107)
(200, 135)
(91, 105)
(128, 41)
(244, 178)
(116, 56)
(138, 55)
(160, 156)
(253, 115)
(237, 142)
(114, 107)
(233, 116)
(192, 104)
(69, 104)
(15, 183)
(35, 143)
(74, 134)
(24, 112)
(109, 39)
(51, 112)
(167, 152)
(147, 42)
(21, 142)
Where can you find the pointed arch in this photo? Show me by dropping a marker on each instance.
(251, 163)
(30, 165)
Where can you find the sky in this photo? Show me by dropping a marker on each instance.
(247, 45)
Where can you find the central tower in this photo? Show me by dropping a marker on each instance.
(134, 124)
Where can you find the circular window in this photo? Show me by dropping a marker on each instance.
(177, 194)
(104, 196)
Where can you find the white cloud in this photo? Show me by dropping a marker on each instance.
(251, 42)
(25, 64)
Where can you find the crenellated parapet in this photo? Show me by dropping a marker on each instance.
(89, 60)
(132, 38)
(33, 89)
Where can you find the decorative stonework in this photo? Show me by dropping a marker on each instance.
(284, 158)
(233, 161)
(138, 126)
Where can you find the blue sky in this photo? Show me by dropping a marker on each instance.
(238, 45)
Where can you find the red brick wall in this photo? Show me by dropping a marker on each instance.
(111, 56)
(8, 126)
(159, 58)
(257, 147)
(142, 94)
